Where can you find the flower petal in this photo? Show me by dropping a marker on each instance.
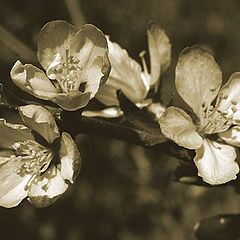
(12, 185)
(198, 78)
(125, 75)
(89, 46)
(216, 162)
(54, 39)
(46, 189)
(72, 101)
(231, 136)
(100, 67)
(110, 112)
(12, 133)
(228, 101)
(69, 158)
(178, 126)
(32, 80)
(40, 120)
(107, 93)
(15, 194)
(159, 49)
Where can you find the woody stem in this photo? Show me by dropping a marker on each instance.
(79, 124)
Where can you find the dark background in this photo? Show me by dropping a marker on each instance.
(125, 192)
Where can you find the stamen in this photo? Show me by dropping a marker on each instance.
(225, 96)
(141, 55)
(234, 109)
(216, 146)
(67, 72)
(59, 69)
(218, 121)
(212, 89)
(34, 157)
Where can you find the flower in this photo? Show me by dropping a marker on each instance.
(126, 74)
(216, 130)
(76, 64)
(35, 161)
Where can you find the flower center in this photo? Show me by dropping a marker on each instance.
(218, 121)
(67, 71)
(220, 118)
(34, 157)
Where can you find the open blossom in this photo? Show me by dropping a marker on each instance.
(126, 74)
(35, 160)
(76, 64)
(216, 131)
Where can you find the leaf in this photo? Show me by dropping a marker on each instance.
(220, 227)
(142, 122)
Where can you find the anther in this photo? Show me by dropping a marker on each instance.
(16, 145)
(234, 109)
(212, 89)
(58, 69)
(72, 68)
(234, 102)
(225, 96)
(76, 61)
(210, 108)
(17, 170)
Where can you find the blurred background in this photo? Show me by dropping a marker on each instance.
(123, 192)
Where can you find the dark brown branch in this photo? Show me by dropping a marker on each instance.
(75, 124)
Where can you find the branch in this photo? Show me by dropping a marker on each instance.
(79, 124)
(186, 172)
(75, 124)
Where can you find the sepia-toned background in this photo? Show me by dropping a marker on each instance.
(125, 192)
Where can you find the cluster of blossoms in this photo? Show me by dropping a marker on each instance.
(36, 160)
(39, 162)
